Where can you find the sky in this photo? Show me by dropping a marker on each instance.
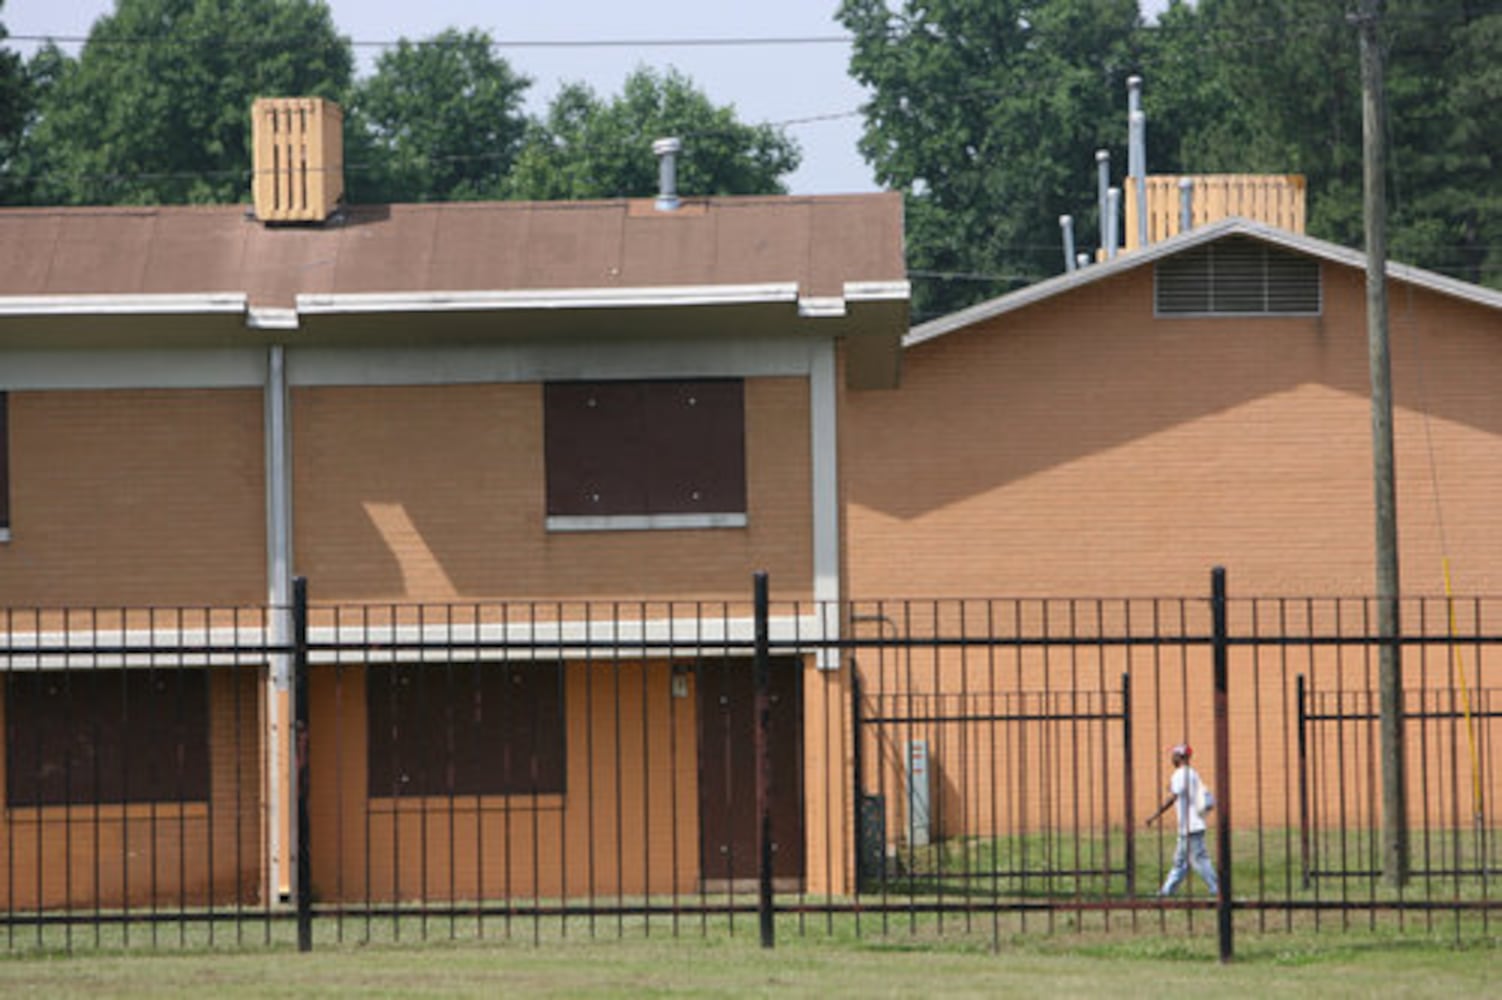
(806, 85)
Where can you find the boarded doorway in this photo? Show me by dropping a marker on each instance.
(727, 772)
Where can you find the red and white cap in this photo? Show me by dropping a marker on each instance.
(1181, 750)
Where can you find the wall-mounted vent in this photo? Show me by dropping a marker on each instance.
(1240, 277)
(299, 158)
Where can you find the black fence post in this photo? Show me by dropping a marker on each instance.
(1128, 786)
(1301, 696)
(858, 773)
(1222, 762)
(764, 763)
(300, 737)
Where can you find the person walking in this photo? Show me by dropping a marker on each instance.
(1187, 791)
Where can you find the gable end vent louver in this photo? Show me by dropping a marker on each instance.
(1238, 277)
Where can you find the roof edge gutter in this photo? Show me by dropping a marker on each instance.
(562, 298)
(215, 303)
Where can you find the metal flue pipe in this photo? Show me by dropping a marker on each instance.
(1103, 172)
(667, 172)
(1137, 152)
(1113, 216)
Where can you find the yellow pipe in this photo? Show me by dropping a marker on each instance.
(1465, 694)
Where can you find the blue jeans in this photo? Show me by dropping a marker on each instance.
(1190, 851)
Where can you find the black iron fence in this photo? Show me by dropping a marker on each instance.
(319, 773)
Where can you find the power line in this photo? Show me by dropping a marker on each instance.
(501, 43)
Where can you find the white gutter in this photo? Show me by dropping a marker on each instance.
(561, 298)
(217, 303)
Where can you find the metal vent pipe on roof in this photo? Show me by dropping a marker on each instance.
(1137, 152)
(1066, 223)
(1186, 204)
(1103, 172)
(1113, 215)
(667, 151)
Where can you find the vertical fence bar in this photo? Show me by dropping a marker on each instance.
(1301, 698)
(1128, 785)
(858, 769)
(300, 731)
(1222, 763)
(764, 764)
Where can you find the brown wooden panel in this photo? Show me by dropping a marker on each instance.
(727, 768)
(645, 447)
(465, 729)
(594, 451)
(697, 462)
(4, 463)
(106, 736)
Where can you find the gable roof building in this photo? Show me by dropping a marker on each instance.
(1204, 400)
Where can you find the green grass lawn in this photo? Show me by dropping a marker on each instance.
(720, 966)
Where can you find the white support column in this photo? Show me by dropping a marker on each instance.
(824, 452)
(280, 869)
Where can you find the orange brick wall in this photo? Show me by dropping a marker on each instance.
(140, 497)
(144, 854)
(436, 494)
(627, 821)
(1082, 447)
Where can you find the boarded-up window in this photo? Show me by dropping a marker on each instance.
(1241, 277)
(106, 736)
(465, 729)
(4, 468)
(650, 447)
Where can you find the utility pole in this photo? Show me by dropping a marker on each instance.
(1390, 673)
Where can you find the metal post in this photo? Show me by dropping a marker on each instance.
(1129, 786)
(763, 679)
(858, 768)
(1222, 763)
(300, 731)
(1301, 697)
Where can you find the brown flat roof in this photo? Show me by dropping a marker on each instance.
(819, 242)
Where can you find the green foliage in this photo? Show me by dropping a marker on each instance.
(156, 107)
(587, 147)
(438, 121)
(1275, 86)
(15, 100)
(988, 113)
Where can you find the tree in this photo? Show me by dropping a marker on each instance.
(439, 120)
(14, 104)
(987, 114)
(1274, 86)
(590, 148)
(156, 108)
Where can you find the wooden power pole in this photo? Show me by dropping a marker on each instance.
(1390, 679)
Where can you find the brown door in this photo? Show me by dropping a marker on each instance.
(727, 769)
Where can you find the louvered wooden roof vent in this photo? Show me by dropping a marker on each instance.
(299, 158)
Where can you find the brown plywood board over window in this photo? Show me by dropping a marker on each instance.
(106, 736)
(465, 729)
(648, 447)
(4, 464)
